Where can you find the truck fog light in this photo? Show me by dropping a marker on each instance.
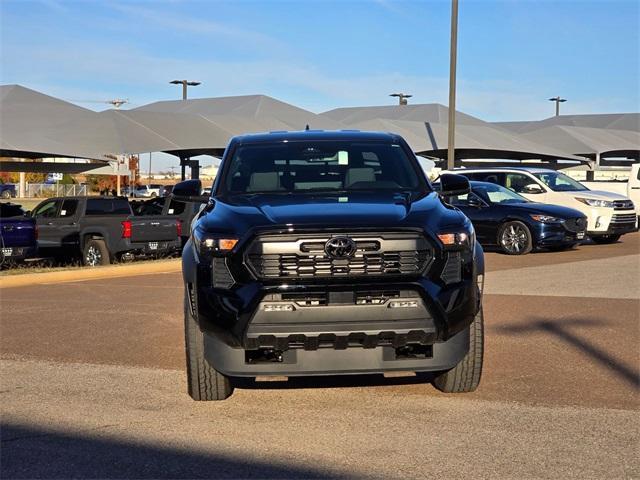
(403, 304)
(277, 307)
(598, 224)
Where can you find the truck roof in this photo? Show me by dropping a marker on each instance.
(315, 135)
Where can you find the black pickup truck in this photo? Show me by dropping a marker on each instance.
(102, 229)
(329, 253)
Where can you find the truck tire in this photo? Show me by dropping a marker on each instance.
(465, 377)
(95, 253)
(604, 239)
(6, 194)
(204, 382)
(514, 238)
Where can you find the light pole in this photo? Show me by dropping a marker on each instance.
(451, 152)
(558, 101)
(402, 97)
(185, 84)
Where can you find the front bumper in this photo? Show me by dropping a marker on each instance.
(334, 325)
(555, 234)
(608, 221)
(325, 361)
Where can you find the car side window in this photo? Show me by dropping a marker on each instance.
(517, 182)
(68, 208)
(459, 200)
(47, 209)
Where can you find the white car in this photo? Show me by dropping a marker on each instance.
(633, 186)
(148, 191)
(609, 215)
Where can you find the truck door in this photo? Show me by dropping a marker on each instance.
(66, 222)
(45, 215)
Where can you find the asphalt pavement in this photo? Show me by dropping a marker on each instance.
(92, 386)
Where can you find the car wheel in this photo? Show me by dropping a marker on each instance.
(514, 238)
(6, 194)
(96, 253)
(604, 239)
(203, 381)
(465, 377)
(154, 194)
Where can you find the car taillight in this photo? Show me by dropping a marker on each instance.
(179, 228)
(126, 229)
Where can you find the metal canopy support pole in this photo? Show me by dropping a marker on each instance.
(149, 176)
(22, 193)
(451, 155)
(183, 164)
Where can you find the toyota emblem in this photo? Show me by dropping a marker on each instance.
(340, 247)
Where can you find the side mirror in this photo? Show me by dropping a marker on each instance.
(532, 188)
(474, 202)
(189, 191)
(452, 185)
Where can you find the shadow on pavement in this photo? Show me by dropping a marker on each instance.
(560, 330)
(29, 452)
(337, 381)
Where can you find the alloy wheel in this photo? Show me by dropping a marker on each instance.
(93, 256)
(514, 239)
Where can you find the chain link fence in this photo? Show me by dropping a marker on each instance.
(46, 190)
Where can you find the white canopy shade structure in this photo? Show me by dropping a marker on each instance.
(430, 112)
(268, 112)
(612, 121)
(30, 126)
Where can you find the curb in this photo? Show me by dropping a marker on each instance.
(96, 273)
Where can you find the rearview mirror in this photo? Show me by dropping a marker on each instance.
(452, 185)
(532, 188)
(189, 191)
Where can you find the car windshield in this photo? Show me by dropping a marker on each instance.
(559, 182)
(495, 194)
(322, 166)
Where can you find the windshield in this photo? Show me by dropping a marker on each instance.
(559, 182)
(304, 167)
(495, 194)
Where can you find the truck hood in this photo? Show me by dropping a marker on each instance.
(597, 195)
(381, 210)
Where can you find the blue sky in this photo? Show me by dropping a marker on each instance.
(513, 55)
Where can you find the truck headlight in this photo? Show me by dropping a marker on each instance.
(209, 244)
(595, 203)
(460, 239)
(546, 219)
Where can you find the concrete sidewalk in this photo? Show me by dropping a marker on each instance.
(89, 273)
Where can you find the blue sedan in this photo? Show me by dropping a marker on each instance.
(515, 225)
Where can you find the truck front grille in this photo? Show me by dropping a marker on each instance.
(274, 257)
(576, 224)
(623, 205)
(623, 219)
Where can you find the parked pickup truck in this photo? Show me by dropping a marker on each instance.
(168, 206)
(7, 190)
(18, 234)
(102, 229)
(328, 253)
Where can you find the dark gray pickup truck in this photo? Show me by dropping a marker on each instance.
(102, 229)
(184, 212)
